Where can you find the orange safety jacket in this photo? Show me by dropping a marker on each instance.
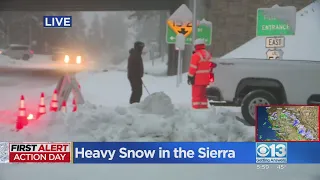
(201, 67)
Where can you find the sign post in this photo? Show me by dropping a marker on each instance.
(180, 26)
(194, 21)
(180, 46)
(274, 44)
(276, 22)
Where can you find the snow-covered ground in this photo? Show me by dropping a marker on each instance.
(108, 93)
(106, 116)
(165, 115)
(302, 46)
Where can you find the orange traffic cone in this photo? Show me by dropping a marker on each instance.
(64, 106)
(54, 102)
(42, 106)
(74, 103)
(22, 118)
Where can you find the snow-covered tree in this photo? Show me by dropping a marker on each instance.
(115, 31)
(94, 36)
(76, 36)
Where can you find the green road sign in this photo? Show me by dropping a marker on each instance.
(204, 31)
(270, 26)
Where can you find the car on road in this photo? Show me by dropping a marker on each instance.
(251, 82)
(68, 56)
(18, 51)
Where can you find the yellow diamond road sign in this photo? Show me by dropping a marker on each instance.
(178, 27)
(181, 21)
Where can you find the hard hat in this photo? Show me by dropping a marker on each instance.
(199, 41)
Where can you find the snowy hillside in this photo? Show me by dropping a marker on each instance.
(302, 46)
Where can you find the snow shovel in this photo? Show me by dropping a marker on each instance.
(145, 87)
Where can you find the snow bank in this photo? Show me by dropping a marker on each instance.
(157, 103)
(154, 119)
(302, 46)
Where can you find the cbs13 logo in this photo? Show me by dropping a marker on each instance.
(271, 150)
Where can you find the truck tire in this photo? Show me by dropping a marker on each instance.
(251, 100)
(25, 57)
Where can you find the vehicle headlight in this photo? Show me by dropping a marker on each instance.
(78, 60)
(66, 59)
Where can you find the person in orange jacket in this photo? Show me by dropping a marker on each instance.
(200, 74)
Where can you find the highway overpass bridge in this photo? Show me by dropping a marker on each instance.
(101, 5)
(90, 5)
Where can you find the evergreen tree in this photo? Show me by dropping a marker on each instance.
(115, 31)
(76, 36)
(95, 42)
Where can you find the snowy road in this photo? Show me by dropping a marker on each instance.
(28, 77)
(39, 71)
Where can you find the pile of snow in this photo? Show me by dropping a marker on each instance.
(154, 119)
(157, 103)
(304, 45)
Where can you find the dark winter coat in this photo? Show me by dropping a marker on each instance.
(135, 64)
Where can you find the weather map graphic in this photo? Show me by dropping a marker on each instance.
(287, 123)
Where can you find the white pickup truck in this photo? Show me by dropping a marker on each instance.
(251, 82)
